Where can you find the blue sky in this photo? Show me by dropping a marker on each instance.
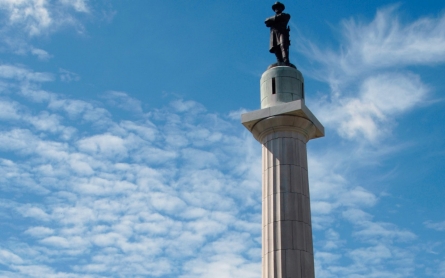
(122, 152)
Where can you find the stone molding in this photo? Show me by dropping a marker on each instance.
(298, 112)
(283, 123)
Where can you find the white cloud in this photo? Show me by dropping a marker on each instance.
(124, 101)
(442, 269)
(371, 255)
(23, 74)
(40, 53)
(78, 5)
(331, 192)
(369, 88)
(236, 114)
(23, 21)
(146, 130)
(335, 198)
(370, 115)
(7, 257)
(37, 17)
(332, 242)
(32, 14)
(385, 42)
(68, 76)
(79, 109)
(120, 194)
(376, 232)
(9, 110)
(39, 231)
(327, 257)
(187, 106)
(438, 226)
(34, 212)
(199, 159)
(106, 145)
(227, 264)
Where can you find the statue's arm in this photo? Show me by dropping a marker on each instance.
(282, 17)
(270, 20)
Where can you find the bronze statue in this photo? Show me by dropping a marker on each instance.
(279, 33)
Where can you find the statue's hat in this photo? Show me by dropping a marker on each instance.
(278, 5)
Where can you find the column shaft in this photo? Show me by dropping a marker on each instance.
(287, 250)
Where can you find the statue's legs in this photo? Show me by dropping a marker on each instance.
(279, 54)
(284, 53)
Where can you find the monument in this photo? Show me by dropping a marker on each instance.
(279, 34)
(283, 126)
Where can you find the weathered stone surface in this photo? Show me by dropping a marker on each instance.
(287, 233)
(280, 85)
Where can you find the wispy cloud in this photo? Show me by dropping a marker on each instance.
(25, 20)
(68, 76)
(124, 101)
(37, 17)
(369, 115)
(22, 73)
(438, 226)
(385, 43)
(40, 53)
(369, 85)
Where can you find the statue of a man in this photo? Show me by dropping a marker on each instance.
(279, 33)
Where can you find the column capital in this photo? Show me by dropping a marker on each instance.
(291, 116)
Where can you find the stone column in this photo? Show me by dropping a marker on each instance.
(287, 233)
(283, 127)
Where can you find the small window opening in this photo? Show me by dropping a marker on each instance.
(273, 86)
(302, 90)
